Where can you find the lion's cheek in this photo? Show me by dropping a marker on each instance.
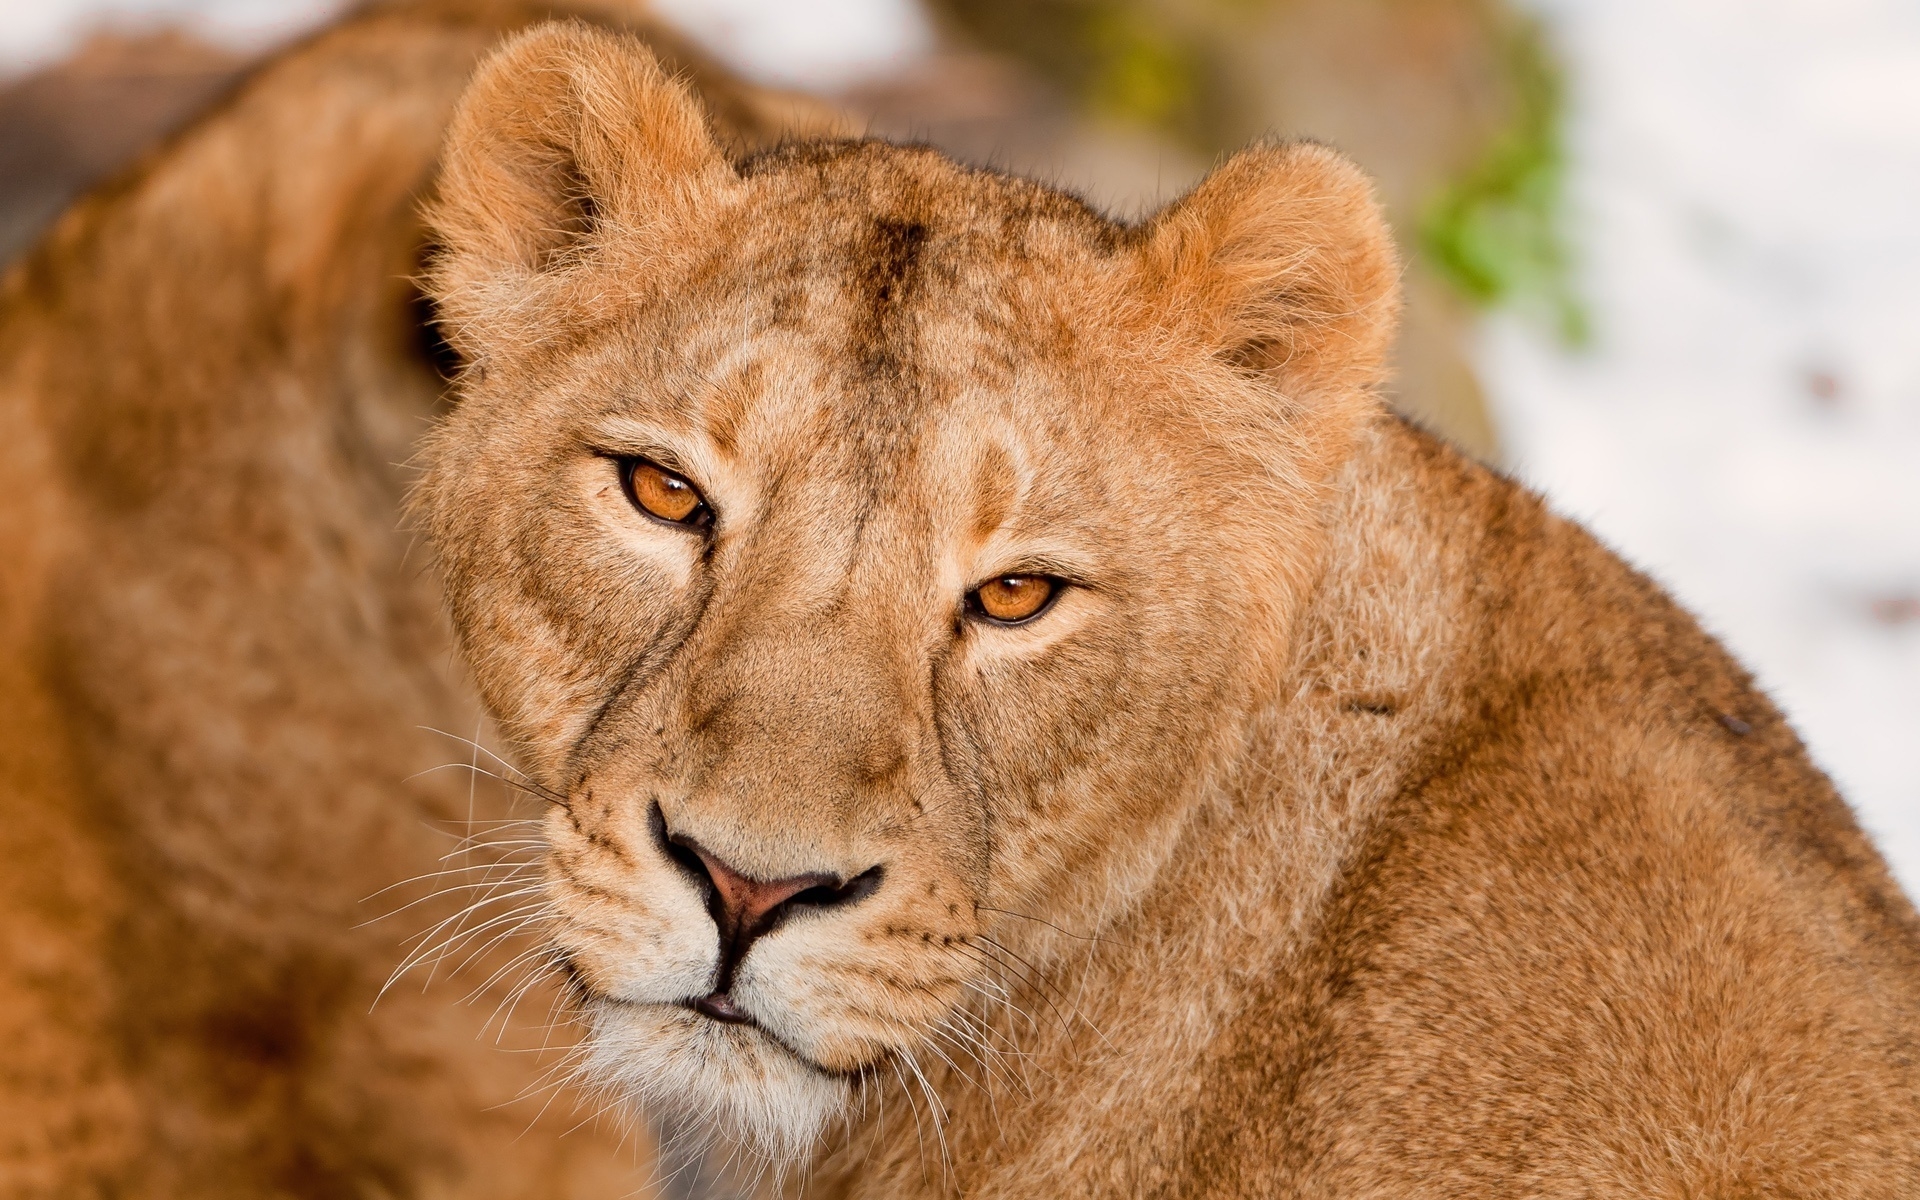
(845, 1009)
(655, 947)
(637, 969)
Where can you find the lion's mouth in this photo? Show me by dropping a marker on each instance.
(721, 1007)
(717, 1007)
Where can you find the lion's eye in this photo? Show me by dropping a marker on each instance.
(1012, 599)
(661, 494)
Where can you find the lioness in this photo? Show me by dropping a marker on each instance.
(1020, 719)
(1015, 716)
(217, 660)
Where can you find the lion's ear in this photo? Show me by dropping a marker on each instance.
(568, 138)
(1282, 264)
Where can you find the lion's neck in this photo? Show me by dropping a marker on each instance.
(1111, 1027)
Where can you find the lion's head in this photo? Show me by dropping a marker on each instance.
(860, 548)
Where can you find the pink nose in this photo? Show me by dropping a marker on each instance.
(746, 909)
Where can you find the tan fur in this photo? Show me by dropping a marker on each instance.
(217, 663)
(1353, 828)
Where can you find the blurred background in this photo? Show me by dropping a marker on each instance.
(1663, 255)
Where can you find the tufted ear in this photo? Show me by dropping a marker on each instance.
(1282, 264)
(569, 140)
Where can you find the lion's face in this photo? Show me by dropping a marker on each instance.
(855, 548)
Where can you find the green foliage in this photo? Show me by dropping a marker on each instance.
(1495, 231)
(1138, 73)
(1120, 58)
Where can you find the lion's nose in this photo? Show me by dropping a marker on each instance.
(746, 909)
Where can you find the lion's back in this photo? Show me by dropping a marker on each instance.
(1615, 934)
(217, 656)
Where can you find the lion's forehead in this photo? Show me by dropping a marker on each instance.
(948, 394)
(884, 253)
(960, 459)
(907, 366)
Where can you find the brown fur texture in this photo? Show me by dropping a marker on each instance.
(216, 663)
(1350, 826)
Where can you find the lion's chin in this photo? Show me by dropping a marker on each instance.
(733, 1081)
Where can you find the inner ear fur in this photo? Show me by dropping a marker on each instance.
(569, 138)
(1282, 264)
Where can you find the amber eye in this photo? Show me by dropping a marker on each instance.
(661, 494)
(1012, 599)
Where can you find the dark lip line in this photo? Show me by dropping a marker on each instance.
(847, 1076)
(585, 992)
(753, 1023)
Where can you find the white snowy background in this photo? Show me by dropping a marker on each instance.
(1746, 214)
(1746, 208)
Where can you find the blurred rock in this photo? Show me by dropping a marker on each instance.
(1823, 385)
(1895, 609)
(1140, 96)
(991, 111)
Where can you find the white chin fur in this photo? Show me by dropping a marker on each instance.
(732, 1080)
